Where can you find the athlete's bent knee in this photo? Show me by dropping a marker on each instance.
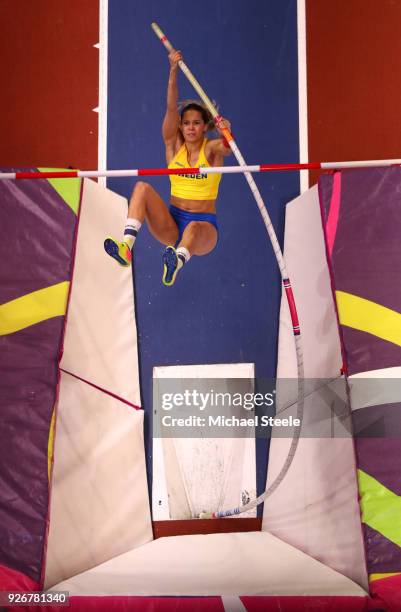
(141, 187)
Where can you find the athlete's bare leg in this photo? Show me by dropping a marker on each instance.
(145, 203)
(199, 238)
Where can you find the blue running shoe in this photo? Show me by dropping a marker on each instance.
(170, 268)
(119, 251)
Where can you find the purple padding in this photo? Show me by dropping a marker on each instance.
(366, 262)
(382, 556)
(37, 235)
(378, 456)
(365, 352)
(366, 256)
(28, 365)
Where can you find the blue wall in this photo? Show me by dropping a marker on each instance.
(223, 307)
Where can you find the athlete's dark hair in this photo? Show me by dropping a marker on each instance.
(187, 105)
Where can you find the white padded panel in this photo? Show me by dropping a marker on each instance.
(375, 387)
(305, 256)
(101, 341)
(99, 497)
(229, 564)
(316, 507)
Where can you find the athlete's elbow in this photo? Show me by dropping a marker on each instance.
(226, 151)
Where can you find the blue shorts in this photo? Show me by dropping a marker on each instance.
(183, 217)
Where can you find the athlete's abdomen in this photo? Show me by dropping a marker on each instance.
(207, 206)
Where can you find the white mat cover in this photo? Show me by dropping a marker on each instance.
(99, 503)
(101, 340)
(215, 564)
(315, 508)
(99, 499)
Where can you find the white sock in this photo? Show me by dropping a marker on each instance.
(183, 256)
(131, 230)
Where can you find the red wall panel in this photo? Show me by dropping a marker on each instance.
(354, 79)
(50, 86)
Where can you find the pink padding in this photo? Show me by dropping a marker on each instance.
(389, 591)
(214, 604)
(136, 604)
(306, 604)
(12, 580)
(332, 220)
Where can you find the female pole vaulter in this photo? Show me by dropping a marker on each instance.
(190, 221)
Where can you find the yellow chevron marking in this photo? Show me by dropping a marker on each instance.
(381, 508)
(367, 316)
(50, 444)
(33, 308)
(69, 189)
(373, 577)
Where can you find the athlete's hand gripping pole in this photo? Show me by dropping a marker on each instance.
(283, 271)
(202, 94)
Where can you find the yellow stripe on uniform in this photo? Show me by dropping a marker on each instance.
(370, 317)
(33, 308)
(381, 508)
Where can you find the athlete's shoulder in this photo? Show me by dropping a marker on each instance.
(212, 153)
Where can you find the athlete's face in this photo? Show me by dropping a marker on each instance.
(192, 126)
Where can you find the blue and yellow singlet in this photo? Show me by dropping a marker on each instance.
(193, 186)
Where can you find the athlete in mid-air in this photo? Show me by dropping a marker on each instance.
(189, 222)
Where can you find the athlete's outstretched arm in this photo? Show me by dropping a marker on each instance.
(171, 119)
